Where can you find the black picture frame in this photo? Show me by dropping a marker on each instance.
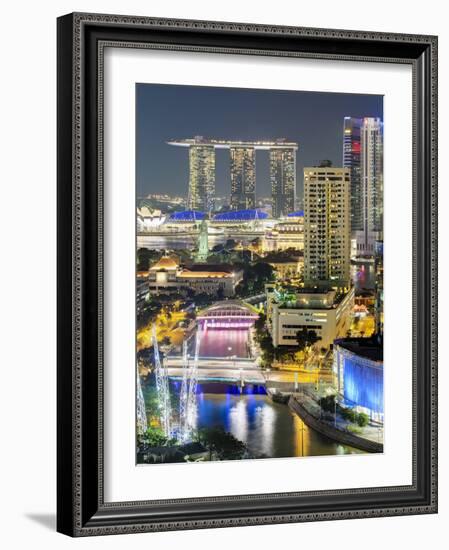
(81, 510)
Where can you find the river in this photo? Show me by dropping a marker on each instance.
(268, 429)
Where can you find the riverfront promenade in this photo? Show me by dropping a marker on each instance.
(370, 438)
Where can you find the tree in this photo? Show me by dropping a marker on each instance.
(259, 325)
(328, 403)
(263, 272)
(154, 437)
(306, 338)
(223, 443)
(362, 419)
(145, 257)
(268, 351)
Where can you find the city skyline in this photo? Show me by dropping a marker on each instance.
(254, 318)
(168, 112)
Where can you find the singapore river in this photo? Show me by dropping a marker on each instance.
(268, 429)
(224, 343)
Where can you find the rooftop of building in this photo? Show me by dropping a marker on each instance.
(148, 212)
(280, 143)
(187, 216)
(281, 260)
(222, 268)
(187, 274)
(292, 297)
(166, 262)
(369, 348)
(326, 170)
(297, 214)
(241, 215)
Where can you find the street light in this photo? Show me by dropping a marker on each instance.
(302, 437)
(335, 411)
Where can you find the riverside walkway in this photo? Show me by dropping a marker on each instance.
(370, 438)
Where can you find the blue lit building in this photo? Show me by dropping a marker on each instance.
(297, 214)
(187, 216)
(240, 216)
(358, 365)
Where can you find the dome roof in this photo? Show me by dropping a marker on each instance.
(187, 216)
(165, 263)
(241, 215)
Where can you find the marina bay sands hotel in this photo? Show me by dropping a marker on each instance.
(282, 155)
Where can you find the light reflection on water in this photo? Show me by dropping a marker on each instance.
(156, 242)
(268, 429)
(363, 275)
(224, 343)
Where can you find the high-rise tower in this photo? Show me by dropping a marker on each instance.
(243, 177)
(283, 180)
(363, 155)
(282, 155)
(351, 160)
(326, 226)
(371, 141)
(201, 176)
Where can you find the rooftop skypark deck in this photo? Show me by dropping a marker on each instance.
(228, 144)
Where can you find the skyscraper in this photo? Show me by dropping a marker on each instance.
(243, 178)
(243, 172)
(351, 160)
(363, 155)
(283, 180)
(326, 226)
(371, 142)
(201, 176)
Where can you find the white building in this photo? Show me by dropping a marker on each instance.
(326, 312)
(148, 219)
(168, 276)
(288, 233)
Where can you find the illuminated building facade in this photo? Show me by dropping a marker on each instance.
(283, 181)
(325, 312)
(363, 155)
(167, 276)
(201, 177)
(282, 155)
(148, 219)
(372, 180)
(243, 178)
(351, 160)
(358, 366)
(327, 234)
(240, 216)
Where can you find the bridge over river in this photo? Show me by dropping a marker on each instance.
(223, 369)
(225, 351)
(206, 391)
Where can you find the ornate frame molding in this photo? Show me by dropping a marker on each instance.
(81, 42)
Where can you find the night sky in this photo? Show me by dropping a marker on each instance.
(313, 119)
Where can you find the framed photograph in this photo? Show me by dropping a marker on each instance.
(247, 277)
